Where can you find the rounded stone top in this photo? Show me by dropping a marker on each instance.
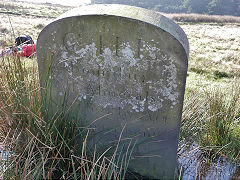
(135, 13)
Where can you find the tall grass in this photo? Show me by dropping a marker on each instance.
(212, 119)
(38, 149)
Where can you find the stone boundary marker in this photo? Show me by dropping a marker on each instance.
(127, 65)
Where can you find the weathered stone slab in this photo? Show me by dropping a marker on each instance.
(127, 65)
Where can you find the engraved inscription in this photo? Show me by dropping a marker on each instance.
(138, 50)
(101, 44)
(122, 77)
(117, 46)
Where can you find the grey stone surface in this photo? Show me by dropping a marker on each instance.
(127, 65)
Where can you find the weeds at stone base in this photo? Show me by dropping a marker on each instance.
(37, 149)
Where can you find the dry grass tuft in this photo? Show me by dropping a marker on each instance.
(202, 18)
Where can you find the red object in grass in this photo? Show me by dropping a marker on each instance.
(28, 50)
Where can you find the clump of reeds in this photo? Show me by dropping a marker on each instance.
(222, 127)
(37, 149)
(212, 118)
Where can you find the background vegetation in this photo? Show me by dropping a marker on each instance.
(217, 7)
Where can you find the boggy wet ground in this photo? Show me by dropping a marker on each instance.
(194, 165)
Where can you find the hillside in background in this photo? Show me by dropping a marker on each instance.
(217, 7)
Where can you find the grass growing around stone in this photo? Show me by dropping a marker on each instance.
(211, 115)
(38, 149)
(56, 148)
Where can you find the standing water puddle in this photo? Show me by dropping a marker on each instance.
(193, 165)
